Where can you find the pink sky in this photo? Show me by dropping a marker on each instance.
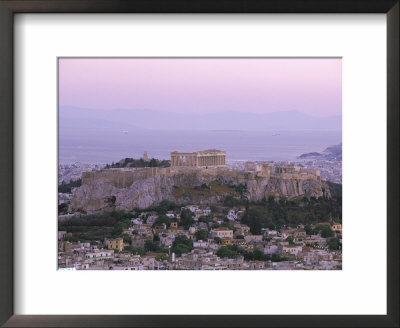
(258, 85)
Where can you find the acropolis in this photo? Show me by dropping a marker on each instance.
(208, 163)
(204, 158)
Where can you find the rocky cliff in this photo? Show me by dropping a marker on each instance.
(195, 186)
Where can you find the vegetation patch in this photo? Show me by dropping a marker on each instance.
(214, 188)
(66, 188)
(139, 163)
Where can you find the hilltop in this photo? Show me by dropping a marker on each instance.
(126, 189)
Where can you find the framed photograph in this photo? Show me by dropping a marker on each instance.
(191, 164)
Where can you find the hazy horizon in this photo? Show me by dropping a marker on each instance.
(254, 108)
(64, 107)
(312, 86)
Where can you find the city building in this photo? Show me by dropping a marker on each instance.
(337, 227)
(117, 243)
(204, 158)
(222, 232)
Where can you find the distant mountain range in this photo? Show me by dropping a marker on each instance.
(330, 153)
(81, 119)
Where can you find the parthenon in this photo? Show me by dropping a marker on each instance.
(204, 158)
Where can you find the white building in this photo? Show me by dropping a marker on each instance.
(271, 249)
(294, 250)
(232, 215)
(222, 232)
(253, 238)
(101, 254)
(200, 243)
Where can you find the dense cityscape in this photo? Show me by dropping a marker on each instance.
(235, 233)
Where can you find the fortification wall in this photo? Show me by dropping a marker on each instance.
(297, 176)
(123, 178)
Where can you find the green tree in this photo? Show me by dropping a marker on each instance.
(256, 218)
(201, 235)
(272, 226)
(227, 224)
(135, 250)
(214, 208)
(71, 239)
(187, 218)
(225, 251)
(166, 206)
(241, 189)
(259, 255)
(333, 244)
(120, 225)
(230, 201)
(127, 238)
(205, 219)
(162, 257)
(67, 187)
(326, 230)
(290, 240)
(162, 219)
(217, 240)
(277, 258)
(150, 246)
(153, 162)
(62, 208)
(308, 229)
(182, 244)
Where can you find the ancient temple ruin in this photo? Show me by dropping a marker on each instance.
(204, 158)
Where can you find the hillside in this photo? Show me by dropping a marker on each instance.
(189, 186)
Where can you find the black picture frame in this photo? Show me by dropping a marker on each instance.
(10, 7)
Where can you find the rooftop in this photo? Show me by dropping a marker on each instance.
(222, 229)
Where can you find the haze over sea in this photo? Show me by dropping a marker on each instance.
(253, 108)
(240, 145)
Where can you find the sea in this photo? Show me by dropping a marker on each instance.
(100, 148)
